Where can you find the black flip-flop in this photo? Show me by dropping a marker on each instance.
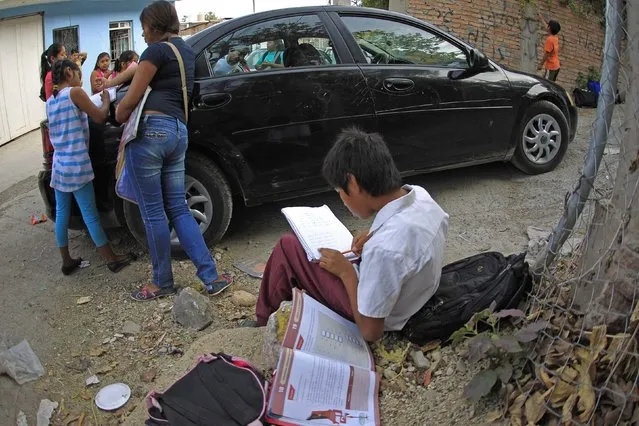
(69, 269)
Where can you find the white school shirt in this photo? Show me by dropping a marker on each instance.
(402, 262)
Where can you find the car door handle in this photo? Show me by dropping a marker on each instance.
(398, 84)
(213, 100)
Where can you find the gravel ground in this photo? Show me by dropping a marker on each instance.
(490, 208)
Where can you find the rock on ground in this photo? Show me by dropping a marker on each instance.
(241, 342)
(244, 298)
(192, 310)
(130, 328)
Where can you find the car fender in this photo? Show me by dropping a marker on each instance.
(537, 92)
(226, 156)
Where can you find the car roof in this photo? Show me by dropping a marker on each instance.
(254, 17)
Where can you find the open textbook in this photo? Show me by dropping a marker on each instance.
(316, 228)
(326, 371)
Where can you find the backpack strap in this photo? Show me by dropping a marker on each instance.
(185, 97)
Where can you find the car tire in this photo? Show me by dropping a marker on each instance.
(541, 140)
(202, 179)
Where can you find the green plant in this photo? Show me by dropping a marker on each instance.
(581, 81)
(501, 350)
(593, 73)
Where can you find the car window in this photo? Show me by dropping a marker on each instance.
(294, 41)
(384, 41)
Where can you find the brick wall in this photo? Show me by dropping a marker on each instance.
(499, 28)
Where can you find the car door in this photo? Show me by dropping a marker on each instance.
(274, 124)
(431, 110)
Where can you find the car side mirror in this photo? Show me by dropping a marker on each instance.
(477, 60)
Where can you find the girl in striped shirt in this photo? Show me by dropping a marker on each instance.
(71, 172)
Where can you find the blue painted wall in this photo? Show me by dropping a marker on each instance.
(92, 18)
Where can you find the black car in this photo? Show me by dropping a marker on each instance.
(259, 136)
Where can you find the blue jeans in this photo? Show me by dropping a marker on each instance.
(155, 164)
(85, 198)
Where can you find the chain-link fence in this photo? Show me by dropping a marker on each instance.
(586, 360)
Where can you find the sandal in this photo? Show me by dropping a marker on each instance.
(69, 269)
(144, 294)
(122, 263)
(219, 285)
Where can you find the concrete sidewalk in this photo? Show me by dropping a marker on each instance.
(20, 159)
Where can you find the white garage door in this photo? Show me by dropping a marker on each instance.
(21, 109)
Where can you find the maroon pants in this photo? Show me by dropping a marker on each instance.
(289, 267)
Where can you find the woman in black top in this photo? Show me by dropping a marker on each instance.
(155, 158)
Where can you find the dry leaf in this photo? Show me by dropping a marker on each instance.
(566, 411)
(81, 419)
(427, 377)
(83, 300)
(635, 314)
(535, 408)
(516, 410)
(587, 397)
(493, 416)
(598, 340)
(545, 377)
(431, 346)
(563, 385)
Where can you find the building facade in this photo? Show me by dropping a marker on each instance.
(28, 27)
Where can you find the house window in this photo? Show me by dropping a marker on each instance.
(120, 37)
(68, 37)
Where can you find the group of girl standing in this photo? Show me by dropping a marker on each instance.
(155, 159)
(57, 52)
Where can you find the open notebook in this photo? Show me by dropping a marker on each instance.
(316, 228)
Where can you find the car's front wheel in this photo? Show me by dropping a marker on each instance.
(208, 197)
(542, 139)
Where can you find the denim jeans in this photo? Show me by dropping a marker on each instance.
(155, 164)
(85, 198)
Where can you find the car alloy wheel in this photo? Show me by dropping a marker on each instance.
(541, 139)
(199, 203)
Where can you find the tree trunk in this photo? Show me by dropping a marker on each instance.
(609, 289)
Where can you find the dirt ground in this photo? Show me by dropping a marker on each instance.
(490, 208)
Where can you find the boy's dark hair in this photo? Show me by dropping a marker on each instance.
(554, 27)
(97, 61)
(74, 51)
(58, 73)
(126, 56)
(161, 16)
(364, 156)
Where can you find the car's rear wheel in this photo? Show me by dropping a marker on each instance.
(542, 139)
(208, 197)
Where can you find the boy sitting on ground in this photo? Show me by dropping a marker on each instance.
(401, 255)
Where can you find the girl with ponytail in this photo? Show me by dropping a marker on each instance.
(54, 53)
(71, 172)
(127, 59)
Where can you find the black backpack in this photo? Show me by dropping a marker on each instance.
(468, 286)
(220, 390)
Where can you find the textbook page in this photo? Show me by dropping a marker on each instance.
(97, 98)
(310, 390)
(316, 228)
(315, 329)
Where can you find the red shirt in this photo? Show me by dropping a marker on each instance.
(48, 85)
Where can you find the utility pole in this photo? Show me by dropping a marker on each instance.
(253, 6)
